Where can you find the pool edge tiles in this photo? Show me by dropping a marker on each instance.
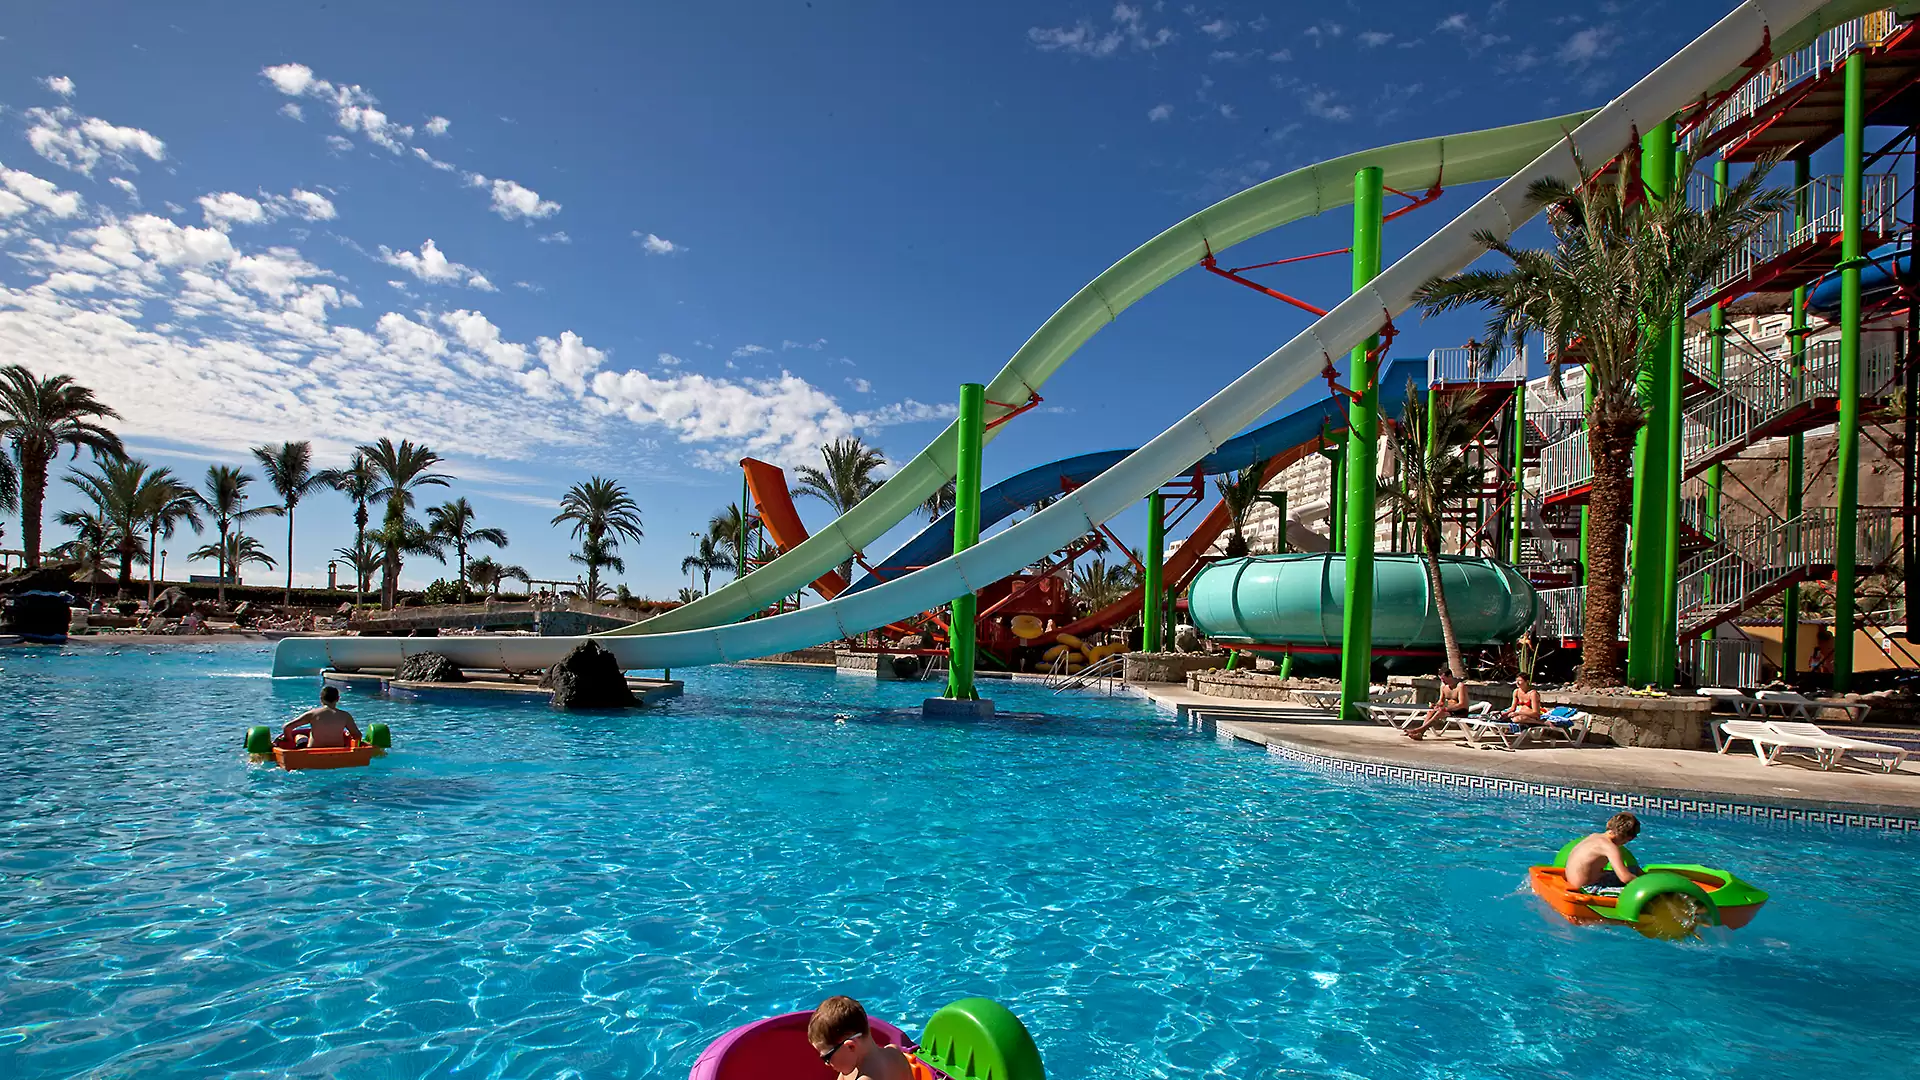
(1663, 799)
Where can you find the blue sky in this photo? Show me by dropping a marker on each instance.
(640, 244)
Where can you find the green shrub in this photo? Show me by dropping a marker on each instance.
(443, 591)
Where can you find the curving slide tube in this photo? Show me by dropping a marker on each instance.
(1410, 166)
(1691, 73)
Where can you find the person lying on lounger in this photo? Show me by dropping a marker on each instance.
(1453, 702)
(1588, 866)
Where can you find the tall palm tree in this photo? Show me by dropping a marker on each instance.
(224, 495)
(602, 514)
(363, 558)
(847, 476)
(232, 553)
(165, 502)
(402, 469)
(1621, 266)
(38, 417)
(706, 558)
(725, 530)
(452, 522)
(1097, 585)
(289, 469)
(357, 481)
(1240, 491)
(1434, 476)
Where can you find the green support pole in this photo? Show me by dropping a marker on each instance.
(1363, 466)
(1667, 660)
(1647, 575)
(1519, 467)
(1152, 584)
(740, 566)
(1286, 666)
(1796, 443)
(966, 533)
(1846, 494)
(1717, 358)
(1337, 496)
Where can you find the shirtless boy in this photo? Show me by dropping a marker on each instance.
(1587, 867)
(839, 1034)
(326, 727)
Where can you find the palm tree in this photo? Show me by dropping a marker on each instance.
(688, 594)
(846, 478)
(1620, 268)
(225, 498)
(289, 469)
(941, 501)
(89, 544)
(706, 558)
(165, 502)
(1240, 491)
(1434, 475)
(126, 493)
(358, 481)
(602, 514)
(725, 529)
(232, 553)
(1097, 585)
(487, 574)
(363, 559)
(38, 417)
(401, 469)
(452, 522)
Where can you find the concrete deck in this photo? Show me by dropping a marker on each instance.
(481, 685)
(1690, 774)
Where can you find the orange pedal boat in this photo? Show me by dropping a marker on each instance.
(1664, 901)
(350, 756)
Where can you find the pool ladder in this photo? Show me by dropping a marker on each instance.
(1106, 670)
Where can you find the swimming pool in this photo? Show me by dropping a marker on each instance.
(520, 892)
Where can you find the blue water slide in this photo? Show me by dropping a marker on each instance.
(1877, 280)
(1022, 490)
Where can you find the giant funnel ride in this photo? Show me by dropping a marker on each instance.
(1716, 61)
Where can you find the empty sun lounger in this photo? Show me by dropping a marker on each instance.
(1842, 745)
(1392, 714)
(1738, 702)
(1769, 743)
(1792, 706)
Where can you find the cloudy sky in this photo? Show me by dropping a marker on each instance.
(645, 244)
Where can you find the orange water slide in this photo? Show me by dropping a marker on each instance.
(767, 483)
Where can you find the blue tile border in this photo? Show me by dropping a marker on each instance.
(1615, 800)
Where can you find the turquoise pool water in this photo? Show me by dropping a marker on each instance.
(517, 892)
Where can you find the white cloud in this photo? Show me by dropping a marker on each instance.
(477, 333)
(1128, 27)
(436, 125)
(1219, 29)
(657, 245)
(21, 191)
(1373, 39)
(1585, 46)
(339, 144)
(80, 142)
(59, 84)
(510, 200)
(290, 79)
(860, 386)
(1161, 111)
(1455, 23)
(126, 186)
(431, 265)
(567, 361)
(226, 209)
(1321, 103)
(745, 351)
(307, 204)
(557, 237)
(292, 110)
(816, 344)
(667, 359)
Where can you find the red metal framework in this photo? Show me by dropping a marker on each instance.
(1033, 399)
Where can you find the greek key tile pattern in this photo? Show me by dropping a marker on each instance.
(1613, 800)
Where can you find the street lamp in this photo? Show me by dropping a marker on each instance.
(163, 568)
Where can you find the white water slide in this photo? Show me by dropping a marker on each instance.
(1712, 62)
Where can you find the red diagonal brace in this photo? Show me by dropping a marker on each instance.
(1387, 334)
(1014, 410)
(1207, 261)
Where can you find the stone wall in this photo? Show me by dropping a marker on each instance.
(819, 654)
(1241, 684)
(575, 623)
(1168, 667)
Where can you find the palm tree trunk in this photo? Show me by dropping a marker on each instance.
(1456, 662)
(706, 579)
(125, 583)
(359, 544)
(33, 494)
(220, 567)
(462, 549)
(153, 546)
(287, 601)
(1612, 450)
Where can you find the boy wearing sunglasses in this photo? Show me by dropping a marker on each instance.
(839, 1033)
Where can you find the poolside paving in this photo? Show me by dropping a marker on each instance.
(1738, 776)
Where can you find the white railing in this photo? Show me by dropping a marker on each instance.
(1722, 661)
(1817, 58)
(1464, 365)
(1825, 216)
(1557, 424)
(1547, 547)
(1565, 465)
(1560, 612)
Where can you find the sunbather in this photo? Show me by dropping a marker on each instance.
(1588, 866)
(1526, 702)
(1453, 702)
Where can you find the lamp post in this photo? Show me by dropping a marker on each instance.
(163, 568)
(333, 575)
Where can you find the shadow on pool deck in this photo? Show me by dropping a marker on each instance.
(1737, 776)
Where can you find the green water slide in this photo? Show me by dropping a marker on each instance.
(1299, 600)
(1493, 154)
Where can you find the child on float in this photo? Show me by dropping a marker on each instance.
(839, 1033)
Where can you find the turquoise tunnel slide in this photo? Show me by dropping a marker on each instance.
(1022, 490)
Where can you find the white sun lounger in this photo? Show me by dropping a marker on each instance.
(1392, 714)
(1842, 744)
(1769, 744)
(1794, 706)
(1490, 732)
(1738, 701)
